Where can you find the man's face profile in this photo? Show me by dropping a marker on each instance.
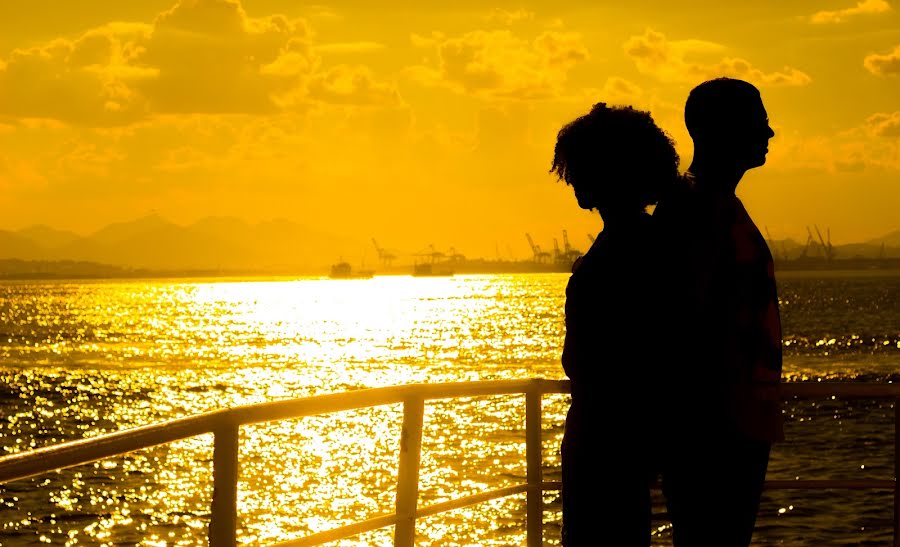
(752, 134)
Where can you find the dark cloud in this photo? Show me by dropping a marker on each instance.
(500, 65)
(884, 65)
(200, 56)
(668, 60)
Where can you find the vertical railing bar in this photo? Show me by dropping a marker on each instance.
(408, 471)
(534, 502)
(897, 472)
(223, 522)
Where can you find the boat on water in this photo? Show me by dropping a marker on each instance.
(343, 270)
(428, 269)
(225, 426)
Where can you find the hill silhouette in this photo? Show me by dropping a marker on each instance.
(213, 244)
(229, 244)
(48, 237)
(889, 240)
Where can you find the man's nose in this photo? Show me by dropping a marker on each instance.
(770, 132)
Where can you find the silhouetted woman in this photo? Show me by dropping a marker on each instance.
(618, 162)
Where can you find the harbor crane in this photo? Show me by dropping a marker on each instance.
(433, 253)
(539, 255)
(809, 241)
(571, 255)
(827, 249)
(773, 250)
(455, 256)
(385, 256)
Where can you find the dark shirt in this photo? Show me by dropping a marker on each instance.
(608, 323)
(722, 304)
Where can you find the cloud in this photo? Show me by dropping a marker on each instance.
(500, 65)
(621, 88)
(420, 41)
(508, 18)
(17, 174)
(349, 47)
(200, 56)
(667, 60)
(87, 80)
(615, 90)
(89, 159)
(861, 8)
(210, 56)
(858, 148)
(739, 68)
(884, 124)
(352, 85)
(883, 65)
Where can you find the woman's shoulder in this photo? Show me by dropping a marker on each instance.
(577, 264)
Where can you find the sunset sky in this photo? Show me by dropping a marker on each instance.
(420, 122)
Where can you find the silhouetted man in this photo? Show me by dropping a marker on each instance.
(721, 389)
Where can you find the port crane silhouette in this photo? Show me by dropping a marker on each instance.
(570, 254)
(539, 255)
(385, 256)
(822, 246)
(772, 249)
(827, 249)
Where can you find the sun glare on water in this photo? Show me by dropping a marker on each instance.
(141, 353)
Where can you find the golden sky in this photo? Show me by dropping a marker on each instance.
(420, 122)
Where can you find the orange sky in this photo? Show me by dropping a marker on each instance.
(415, 123)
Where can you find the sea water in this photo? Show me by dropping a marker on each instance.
(79, 359)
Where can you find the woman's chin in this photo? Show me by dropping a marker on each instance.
(586, 204)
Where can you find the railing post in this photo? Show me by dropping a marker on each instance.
(897, 472)
(408, 472)
(223, 524)
(534, 515)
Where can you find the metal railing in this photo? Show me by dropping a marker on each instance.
(225, 424)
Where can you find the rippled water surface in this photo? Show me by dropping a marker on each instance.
(80, 359)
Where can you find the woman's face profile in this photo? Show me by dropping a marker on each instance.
(585, 195)
(597, 188)
(588, 183)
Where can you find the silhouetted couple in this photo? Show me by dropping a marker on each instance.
(673, 338)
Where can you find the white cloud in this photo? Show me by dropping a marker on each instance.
(349, 47)
(509, 17)
(861, 8)
(200, 56)
(884, 124)
(668, 60)
(352, 85)
(884, 65)
(500, 65)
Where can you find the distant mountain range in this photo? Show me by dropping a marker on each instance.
(229, 245)
(887, 246)
(212, 244)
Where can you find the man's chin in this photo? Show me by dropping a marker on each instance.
(758, 161)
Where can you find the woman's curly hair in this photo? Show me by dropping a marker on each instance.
(620, 149)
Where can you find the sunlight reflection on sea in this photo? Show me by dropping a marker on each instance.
(81, 359)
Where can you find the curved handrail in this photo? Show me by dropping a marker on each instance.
(224, 424)
(33, 462)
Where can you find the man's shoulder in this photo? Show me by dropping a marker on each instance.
(676, 212)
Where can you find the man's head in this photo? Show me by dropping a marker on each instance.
(727, 120)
